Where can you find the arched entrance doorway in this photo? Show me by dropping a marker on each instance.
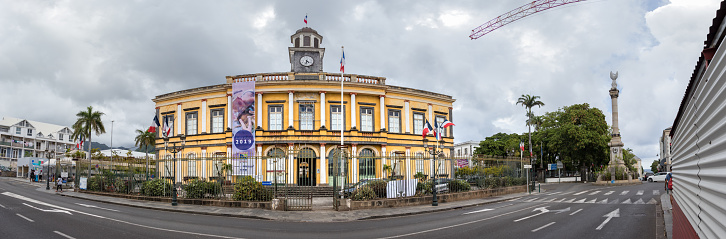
(306, 167)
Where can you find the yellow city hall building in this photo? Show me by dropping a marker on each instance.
(301, 110)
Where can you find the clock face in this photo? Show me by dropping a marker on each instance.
(306, 61)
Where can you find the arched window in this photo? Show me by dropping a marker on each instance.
(333, 157)
(276, 166)
(366, 164)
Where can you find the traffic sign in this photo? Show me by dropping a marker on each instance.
(552, 166)
(560, 165)
(527, 166)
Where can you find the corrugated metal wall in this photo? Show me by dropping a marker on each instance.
(699, 153)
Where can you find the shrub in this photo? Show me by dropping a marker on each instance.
(95, 183)
(156, 187)
(424, 188)
(492, 182)
(378, 186)
(458, 186)
(121, 185)
(363, 193)
(199, 189)
(247, 189)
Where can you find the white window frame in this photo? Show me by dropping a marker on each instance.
(366, 119)
(418, 124)
(217, 120)
(307, 118)
(275, 117)
(394, 121)
(191, 124)
(336, 116)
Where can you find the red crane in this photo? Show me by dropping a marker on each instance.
(516, 14)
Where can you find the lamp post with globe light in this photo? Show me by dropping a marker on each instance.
(174, 149)
(433, 151)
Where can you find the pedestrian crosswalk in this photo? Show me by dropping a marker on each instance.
(593, 197)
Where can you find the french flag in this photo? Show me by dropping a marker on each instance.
(306, 19)
(168, 125)
(79, 144)
(342, 63)
(154, 124)
(427, 128)
(446, 123)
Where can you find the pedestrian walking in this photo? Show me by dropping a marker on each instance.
(59, 184)
(669, 183)
(32, 175)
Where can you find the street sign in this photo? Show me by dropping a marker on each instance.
(551, 166)
(527, 166)
(266, 183)
(560, 165)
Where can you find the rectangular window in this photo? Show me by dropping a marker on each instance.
(419, 165)
(60, 136)
(30, 133)
(418, 123)
(192, 168)
(217, 120)
(275, 117)
(17, 130)
(366, 119)
(168, 120)
(394, 121)
(192, 123)
(336, 115)
(439, 122)
(307, 116)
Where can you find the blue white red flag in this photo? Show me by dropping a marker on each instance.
(446, 123)
(521, 146)
(79, 143)
(154, 124)
(306, 19)
(168, 125)
(427, 128)
(342, 63)
(437, 131)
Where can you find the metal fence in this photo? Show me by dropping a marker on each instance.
(298, 176)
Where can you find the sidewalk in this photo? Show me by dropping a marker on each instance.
(324, 215)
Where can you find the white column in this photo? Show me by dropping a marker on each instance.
(289, 109)
(178, 166)
(258, 165)
(179, 117)
(322, 110)
(431, 115)
(383, 155)
(229, 113)
(407, 114)
(290, 164)
(204, 116)
(323, 165)
(204, 163)
(354, 163)
(383, 112)
(408, 163)
(258, 111)
(353, 119)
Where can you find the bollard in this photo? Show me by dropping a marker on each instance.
(539, 187)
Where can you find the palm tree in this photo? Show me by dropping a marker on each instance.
(144, 139)
(88, 122)
(528, 102)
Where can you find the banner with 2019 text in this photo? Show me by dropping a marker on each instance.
(243, 128)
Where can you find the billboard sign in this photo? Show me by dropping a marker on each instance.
(243, 128)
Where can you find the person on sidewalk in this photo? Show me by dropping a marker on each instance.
(32, 175)
(669, 183)
(59, 184)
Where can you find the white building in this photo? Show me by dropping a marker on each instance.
(465, 149)
(26, 138)
(124, 153)
(665, 150)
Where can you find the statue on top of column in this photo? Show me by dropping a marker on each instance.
(614, 77)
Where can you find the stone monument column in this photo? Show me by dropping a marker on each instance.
(616, 145)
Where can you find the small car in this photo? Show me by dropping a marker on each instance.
(658, 177)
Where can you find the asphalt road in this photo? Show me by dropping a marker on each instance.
(563, 211)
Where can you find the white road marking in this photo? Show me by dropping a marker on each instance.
(604, 201)
(47, 210)
(560, 200)
(593, 193)
(608, 193)
(591, 201)
(86, 205)
(64, 235)
(627, 201)
(616, 201)
(462, 224)
(107, 218)
(640, 192)
(2, 206)
(531, 200)
(569, 201)
(30, 220)
(656, 192)
(640, 201)
(575, 212)
(580, 192)
(483, 210)
(609, 216)
(652, 201)
(580, 201)
(542, 210)
(542, 227)
(624, 192)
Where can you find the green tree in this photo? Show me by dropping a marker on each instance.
(499, 144)
(654, 166)
(145, 139)
(579, 135)
(88, 122)
(529, 101)
(629, 159)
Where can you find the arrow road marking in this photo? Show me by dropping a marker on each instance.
(561, 210)
(656, 192)
(542, 210)
(483, 210)
(609, 216)
(86, 205)
(48, 210)
(542, 227)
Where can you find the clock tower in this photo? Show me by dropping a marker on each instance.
(306, 55)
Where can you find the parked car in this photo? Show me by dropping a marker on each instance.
(442, 184)
(658, 177)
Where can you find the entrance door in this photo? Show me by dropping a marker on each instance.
(306, 168)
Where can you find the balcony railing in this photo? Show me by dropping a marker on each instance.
(284, 76)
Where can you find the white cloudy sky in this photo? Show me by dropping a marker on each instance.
(58, 57)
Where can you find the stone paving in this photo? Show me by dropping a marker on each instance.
(322, 213)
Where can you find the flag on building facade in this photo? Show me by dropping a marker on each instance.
(155, 124)
(446, 123)
(438, 129)
(521, 146)
(427, 128)
(342, 63)
(168, 125)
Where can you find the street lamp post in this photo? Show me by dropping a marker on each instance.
(433, 151)
(47, 170)
(174, 150)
